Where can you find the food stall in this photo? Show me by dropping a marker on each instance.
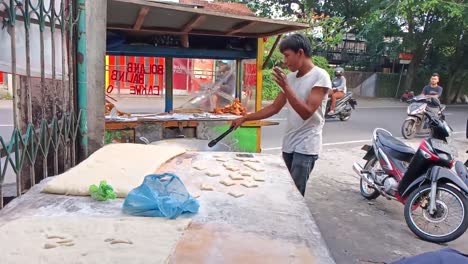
(171, 56)
(249, 208)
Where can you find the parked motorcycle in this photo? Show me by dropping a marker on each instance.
(435, 198)
(416, 122)
(343, 107)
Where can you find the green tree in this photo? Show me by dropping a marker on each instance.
(420, 22)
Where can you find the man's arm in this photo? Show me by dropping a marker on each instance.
(424, 91)
(265, 112)
(308, 108)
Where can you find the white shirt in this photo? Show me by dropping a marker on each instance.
(305, 136)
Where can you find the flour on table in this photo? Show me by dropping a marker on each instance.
(144, 239)
(123, 166)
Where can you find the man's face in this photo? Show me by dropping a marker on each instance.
(434, 80)
(293, 60)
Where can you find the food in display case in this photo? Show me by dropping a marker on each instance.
(110, 106)
(236, 108)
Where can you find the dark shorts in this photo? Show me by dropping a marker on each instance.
(300, 166)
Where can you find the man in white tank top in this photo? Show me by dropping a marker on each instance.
(305, 91)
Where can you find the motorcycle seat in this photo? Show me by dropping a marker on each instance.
(396, 148)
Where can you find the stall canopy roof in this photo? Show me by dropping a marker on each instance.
(169, 18)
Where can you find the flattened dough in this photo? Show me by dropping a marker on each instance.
(123, 166)
(213, 173)
(236, 194)
(200, 167)
(245, 173)
(249, 184)
(227, 182)
(231, 167)
(206, 187)
(247, 159)
(254, 167)
(259, 178)
(236, 176)
(89, 235)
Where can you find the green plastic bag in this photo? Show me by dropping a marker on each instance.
(102, 193)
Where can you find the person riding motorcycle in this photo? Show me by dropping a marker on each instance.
(433, 89)
(338, 89)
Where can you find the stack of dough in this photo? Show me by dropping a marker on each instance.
(123, 166)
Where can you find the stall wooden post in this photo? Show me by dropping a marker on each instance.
(258, 104)
(239, 79)
(169, 94)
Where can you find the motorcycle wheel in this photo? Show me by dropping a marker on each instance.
(345, 117)
(418, 201)
(367, 191)
(408, 129)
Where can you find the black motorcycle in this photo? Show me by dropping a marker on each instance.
(343, 107)
(435, 198)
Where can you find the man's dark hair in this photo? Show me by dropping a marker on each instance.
(295, 42)
(435, 74)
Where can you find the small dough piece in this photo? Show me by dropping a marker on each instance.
(259, 178)
(55, 237)
(49, 246)
(248, 159)
(231, 167)
(213, 174)
(254, 167)
(236, 176)
(196, 195)
(221, 159)
(236, 194)
(245, 173)
(119, 241)
(200, 167)
(227, 182)
(249, 184)
(68, 244)
(206, 187)
(217, 156)
(65, 241)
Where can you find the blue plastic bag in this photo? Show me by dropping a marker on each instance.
(160, 195)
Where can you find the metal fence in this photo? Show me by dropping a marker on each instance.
(37, 38)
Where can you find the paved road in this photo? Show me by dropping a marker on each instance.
(361, 124)
(6, 119)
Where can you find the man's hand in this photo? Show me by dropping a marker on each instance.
(238, 122)
(280, 78)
